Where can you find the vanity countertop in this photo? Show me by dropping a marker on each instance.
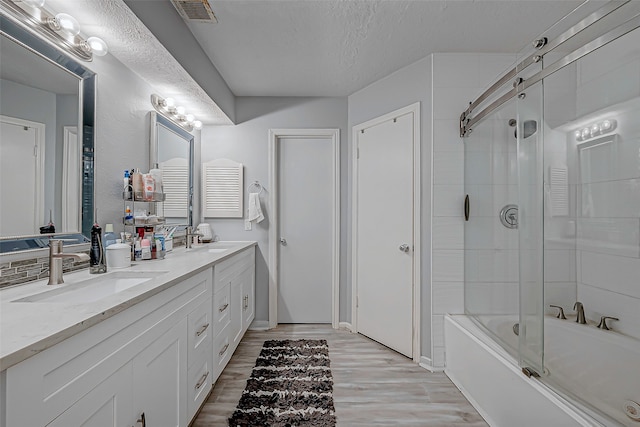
(27, 328)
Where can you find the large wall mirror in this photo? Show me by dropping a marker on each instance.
(172, 150)
(47, 114)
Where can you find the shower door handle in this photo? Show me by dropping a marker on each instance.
(466, 207)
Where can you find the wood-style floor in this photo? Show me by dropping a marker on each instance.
(373, 386)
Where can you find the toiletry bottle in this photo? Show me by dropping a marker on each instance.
(128, 218)
(137, 251)
(126, 187)
(109, 236)
(156, 173)
(97, 263)
(138, 185)
(149, 187)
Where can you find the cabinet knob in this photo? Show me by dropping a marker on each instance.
(404, 248)
(283, 241)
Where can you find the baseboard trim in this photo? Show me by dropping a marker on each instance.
(426, 363)
(259, 325)
(345, 325)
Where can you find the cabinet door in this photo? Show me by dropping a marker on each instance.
(110, 404)
(248, 304)
(236, 312)
(160, 379)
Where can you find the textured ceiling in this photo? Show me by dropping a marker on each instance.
(138, 49)
(336, 47)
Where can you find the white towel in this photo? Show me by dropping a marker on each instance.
(255, 210)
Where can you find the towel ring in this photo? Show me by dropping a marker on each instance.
(256, 187)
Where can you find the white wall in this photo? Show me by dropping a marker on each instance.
(457, 80)
(122, 133)
(247, 143)
(401, 88)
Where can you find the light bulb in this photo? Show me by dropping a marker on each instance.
(180, 110)
(595, 129)
(197, 124)
(606, 125)
(190, 118)
(98, 46)
(68, 24)
(35, 3)
(578, 134)
(169, 103)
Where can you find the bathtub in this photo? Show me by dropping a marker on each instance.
(602, 367)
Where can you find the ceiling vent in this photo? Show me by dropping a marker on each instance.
(195, 11)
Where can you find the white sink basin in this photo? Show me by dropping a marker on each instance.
(217, 250)
(213, 248)
(93, 289)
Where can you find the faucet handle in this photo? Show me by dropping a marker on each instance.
(603, 322)
(560, 312)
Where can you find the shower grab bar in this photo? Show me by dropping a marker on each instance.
(546, 46)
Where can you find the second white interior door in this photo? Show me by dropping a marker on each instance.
(385, 247)
(306, 182)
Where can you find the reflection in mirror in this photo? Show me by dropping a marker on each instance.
(172, 150)
(47, 112)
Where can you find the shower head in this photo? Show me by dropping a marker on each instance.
(530, 127)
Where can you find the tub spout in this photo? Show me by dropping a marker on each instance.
(580, 309)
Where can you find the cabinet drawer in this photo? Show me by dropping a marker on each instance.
(200, 329)
(199, 384)
(222, 349)
(221, 309)
(227, 269)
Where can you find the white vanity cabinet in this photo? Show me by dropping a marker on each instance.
(233, 305)
(143, 360)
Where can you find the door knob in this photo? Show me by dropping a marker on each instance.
(404, 248)
(283, 241)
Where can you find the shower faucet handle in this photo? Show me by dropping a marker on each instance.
(560, 312)
(603, 322)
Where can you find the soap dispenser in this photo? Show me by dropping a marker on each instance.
(97, 263)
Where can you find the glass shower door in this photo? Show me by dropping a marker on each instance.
(490, 247)
(530, 225)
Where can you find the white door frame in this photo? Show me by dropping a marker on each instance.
(70, 220)
(415, 109)
(40, 153)
(274, 232)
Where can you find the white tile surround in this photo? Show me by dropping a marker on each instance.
(457, 80)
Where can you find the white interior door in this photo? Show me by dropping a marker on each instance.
(21, 149)
(306, 215)
(384, 259)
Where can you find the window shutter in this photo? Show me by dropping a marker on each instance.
(222, 184)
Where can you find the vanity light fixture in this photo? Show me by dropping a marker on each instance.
(595, 129)
(178, 114)
(61, 30)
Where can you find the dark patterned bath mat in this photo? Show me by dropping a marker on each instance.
(291, 385)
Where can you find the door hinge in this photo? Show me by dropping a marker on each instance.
(358, 153)
(35, 150)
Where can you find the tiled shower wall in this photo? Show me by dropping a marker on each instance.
(457, 80)
(608, 223)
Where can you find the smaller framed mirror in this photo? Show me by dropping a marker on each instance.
(172, 150)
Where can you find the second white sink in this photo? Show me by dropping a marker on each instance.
(93, 289)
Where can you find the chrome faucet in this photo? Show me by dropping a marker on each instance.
(55, 261)
(580, 308)
(188, 234)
